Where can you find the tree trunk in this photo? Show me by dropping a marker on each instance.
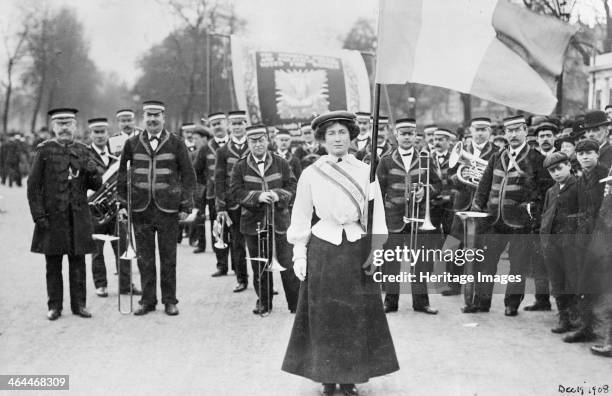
(7, 100)
(39, 96)
(466, 100)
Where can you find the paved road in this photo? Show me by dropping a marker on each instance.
(216, 346)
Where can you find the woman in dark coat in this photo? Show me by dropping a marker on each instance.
(340, 334)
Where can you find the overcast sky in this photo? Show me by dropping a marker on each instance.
(120, 31)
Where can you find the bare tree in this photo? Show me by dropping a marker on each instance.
(15, 54)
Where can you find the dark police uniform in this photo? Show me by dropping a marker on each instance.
(57, 186)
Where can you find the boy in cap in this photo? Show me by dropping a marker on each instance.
(557, 234)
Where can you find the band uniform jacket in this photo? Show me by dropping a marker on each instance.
(247, 184)
(57, 190)
(393, 182)
(164, 176)
(227, 157)
(366, 154)
(201, 173)
(206, 159)
(100, 166)
(309, 154)
(560, 211)
(294, 163)
(505, 192)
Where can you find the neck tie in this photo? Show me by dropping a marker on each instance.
(339, 160)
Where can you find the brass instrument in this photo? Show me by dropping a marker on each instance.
(412, 206)
(102, 202)
(130, 252)
(218, 231)
(468, 219)
(471, 169)
(266, 244)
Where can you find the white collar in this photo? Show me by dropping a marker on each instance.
(239, 142)
(545, 153)
(364, 139)
(518, 149)
(283, 152)
(439, 154)
(479, 147)
(262, 159)
(221, 140)
(402, 152)
(98, 150)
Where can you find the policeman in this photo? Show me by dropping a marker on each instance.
(62, 173)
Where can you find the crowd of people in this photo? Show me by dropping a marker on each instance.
(297, 196)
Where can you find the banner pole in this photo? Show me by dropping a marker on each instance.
(373, 154)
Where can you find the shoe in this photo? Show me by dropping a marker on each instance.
(241, 286)
(390, 308)
(329, 389)
(538, 306)
(261, 310)
(450, 292)
(171, 309)
(53, 314)
(602, 350)
(199, 250)
(564, 324)
(426, 309)
(583, 334)
(135, 291)
(349, 389)
(484, 309)
(219, 273)
(469, 309)
(144, 309)
(82, 312)
(511, 311)
(101, 292)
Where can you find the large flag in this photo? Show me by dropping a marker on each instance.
(489, 48)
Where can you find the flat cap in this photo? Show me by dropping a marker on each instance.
(125, 113)
(555, 158)
(405, 123)
(517, 119)
(216, 116)
(338, 115)
(97, 122)
(587, 145)
(480, 122)
(237, 114)
(445, 132)
(62, 112)
(153, 106)
(546, 126)
(363, 116)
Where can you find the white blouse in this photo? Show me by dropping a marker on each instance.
(333, 207)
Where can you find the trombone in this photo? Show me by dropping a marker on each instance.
(267, 260)
(130, 253)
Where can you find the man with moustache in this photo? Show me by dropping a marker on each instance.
(428, 133)
(99, 149)
(283, 142)
(511, 190)
(397, 172)
(162, 184)
(383, 147)
(364, 122)
(596, 128)
(62, 172)
(311, 150)
(206, 159)
(545, 133)
(480, 147)
(228, 208)
(126, 121)
(259, 180)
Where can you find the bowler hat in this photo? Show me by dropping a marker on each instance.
(594, 119)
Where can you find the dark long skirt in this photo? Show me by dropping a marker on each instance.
(340, 333)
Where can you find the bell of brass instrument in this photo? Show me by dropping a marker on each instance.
(102, 202)
(471, 168)
(218, 231)
(427, 224)
(130, 253)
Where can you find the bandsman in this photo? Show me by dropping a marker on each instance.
(511, 190)
(259, 181)
(201, 135)
(163, 182)
(126, 121)
(62, 172)
(227, 206)
(311, 150)
(383, 146)
(99, 148)
(283, 142)
(397, 173)
(364, 122)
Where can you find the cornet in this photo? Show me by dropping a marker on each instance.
(471, 169)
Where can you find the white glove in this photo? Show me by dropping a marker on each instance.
(299, 267)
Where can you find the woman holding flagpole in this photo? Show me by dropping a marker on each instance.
(340, 334)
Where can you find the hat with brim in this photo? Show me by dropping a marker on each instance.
(554, 159)
(594, 119)
(256, 131)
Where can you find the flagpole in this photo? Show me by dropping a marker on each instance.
(373, 153)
